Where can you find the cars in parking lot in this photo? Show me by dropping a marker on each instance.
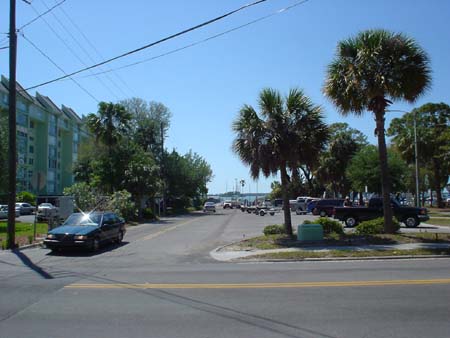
(209, 207)
(325, 207)
(4, 211)
(87, 231)
(25, 208)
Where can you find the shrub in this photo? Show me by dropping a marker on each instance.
(329, 225)
(85, 197)
(120, 202)
(375, 226)
(147, 213)
(274, 229)
(26, 197)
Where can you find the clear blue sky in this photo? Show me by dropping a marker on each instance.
(205, 86)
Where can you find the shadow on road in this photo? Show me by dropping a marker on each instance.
(79, 252)
(36, 268)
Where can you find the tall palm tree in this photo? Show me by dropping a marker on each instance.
(285, 134)
(369, 72)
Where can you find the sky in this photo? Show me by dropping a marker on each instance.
(204, 86)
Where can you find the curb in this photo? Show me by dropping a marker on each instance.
(331, 259)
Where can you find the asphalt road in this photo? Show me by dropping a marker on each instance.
(162, 282)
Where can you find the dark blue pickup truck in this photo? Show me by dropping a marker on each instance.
(411, 216)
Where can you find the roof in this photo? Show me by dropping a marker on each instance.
(48, 103)
(70, 113)
(19, 89)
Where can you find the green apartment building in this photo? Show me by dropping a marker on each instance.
(48, 140)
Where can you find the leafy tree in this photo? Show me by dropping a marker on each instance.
(287, 133)
(26, 197)
(85, 197)
(276, 190)
(364, 170)
(146, 122)
(369, 72)
(433, 141)
(186, 178)
(344, 143)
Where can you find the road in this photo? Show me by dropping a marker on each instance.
(162, 282)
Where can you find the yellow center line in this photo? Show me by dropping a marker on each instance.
(161, 232)
(260, 285)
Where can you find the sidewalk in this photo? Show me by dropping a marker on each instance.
(224, 254)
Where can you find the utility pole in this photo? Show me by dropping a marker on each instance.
(163, 178)
(12, 156)
(416, 160)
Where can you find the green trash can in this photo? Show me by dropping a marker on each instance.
(310, 232)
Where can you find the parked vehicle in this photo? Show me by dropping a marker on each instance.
(325, 207)
(209, 207)
(57, 207)
(25, 208)
(411, 216)
(88, 231)
(302, 205)
(4, 211)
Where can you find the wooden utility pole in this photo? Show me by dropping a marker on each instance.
(12, 156)
(163, 177)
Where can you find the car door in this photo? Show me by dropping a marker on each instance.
(107, 227)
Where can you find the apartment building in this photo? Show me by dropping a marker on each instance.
(48, 140)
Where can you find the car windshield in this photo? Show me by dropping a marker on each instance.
(46, 205)
(84, 219)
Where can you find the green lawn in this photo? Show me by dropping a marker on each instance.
(445, 221)
(23, 229)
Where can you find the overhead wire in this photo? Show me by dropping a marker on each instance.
(57, 66)
(73, 52)
(208, 22)
(94, 48)
(173, 51)
(34, 19)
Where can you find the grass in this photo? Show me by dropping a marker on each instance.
(23, 231)
(445, 221)
(283, 241)
(299, 255)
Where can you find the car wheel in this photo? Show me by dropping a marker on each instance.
(95, 245)
(262, 213)
(272, 214)
(350, 221)
(322, 213)
(411, 222)
(119, 237)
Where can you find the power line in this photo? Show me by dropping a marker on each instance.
(36, 18)
(72, 51)
(151, 44)
(201, 41)
(88, 54)
(57, 66)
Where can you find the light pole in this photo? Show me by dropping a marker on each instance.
(416, 155)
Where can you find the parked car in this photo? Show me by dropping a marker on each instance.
(302, 205)
(411, 216)
(88, 231)
(209, 207)
(45, 211)
(25, 208)
(4, 211)
(325, 207)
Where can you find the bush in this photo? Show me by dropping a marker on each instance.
(274, 229)
(147, 213)
(26, 197)
(120, 202)
(329, 225)
(375, 226)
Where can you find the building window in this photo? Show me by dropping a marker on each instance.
(31, 149)
(30, 161)
(31, 124)
(22, 120)
(31, 138)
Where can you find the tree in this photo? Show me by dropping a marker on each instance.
(364, 170)
(146, 122)
(433, 141)
(344, 143)
(369, 72)
(287, 133)
(109, 125)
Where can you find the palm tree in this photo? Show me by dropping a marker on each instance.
(288, 132)
(369, 72)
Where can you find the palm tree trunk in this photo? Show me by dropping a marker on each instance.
(286, 207)
(385, 179)
(437, 182)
